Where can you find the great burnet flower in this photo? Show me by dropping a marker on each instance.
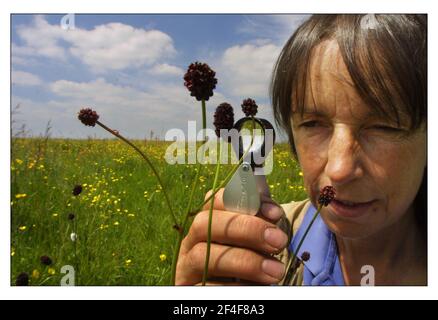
(305, 256)
(77, 190)
(88, 117)
(223, 117)
(200, 81)
(22, 279)
(249, 107)
(71, 216)
(45, 260)
(326, 195)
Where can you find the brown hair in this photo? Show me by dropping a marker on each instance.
(386, 57)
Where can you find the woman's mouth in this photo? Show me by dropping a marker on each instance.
(350, 209)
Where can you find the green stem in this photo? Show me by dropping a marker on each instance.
(189, 206)
(175, 221)
(210, 219)
(290, 269)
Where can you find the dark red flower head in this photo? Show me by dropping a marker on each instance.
(249, 107)
(305, 256)
(22, 279)
(71, 216)
(77, 190)
(45, 260)
(200, 81)
(223, 117)
(327, 194)
(88, 117)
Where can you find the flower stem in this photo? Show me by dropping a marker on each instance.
(210, 219)
(189, 206)
(291, 266)
(175, 221)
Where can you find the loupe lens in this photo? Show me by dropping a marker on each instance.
(252, 130)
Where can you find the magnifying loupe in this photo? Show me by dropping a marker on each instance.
(242, 193)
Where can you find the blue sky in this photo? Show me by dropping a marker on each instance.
(129, 68)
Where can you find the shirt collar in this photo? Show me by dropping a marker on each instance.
(323, 266)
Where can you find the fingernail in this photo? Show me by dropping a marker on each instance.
(271, 211)
(273, 268)
(275, 238)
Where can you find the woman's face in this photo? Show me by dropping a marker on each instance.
(375, 166)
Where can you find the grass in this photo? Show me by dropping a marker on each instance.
(125, 234)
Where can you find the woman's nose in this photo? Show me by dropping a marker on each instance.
(342, 157)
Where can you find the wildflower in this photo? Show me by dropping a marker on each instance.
(55, 215)
(305, 256)
(45, 260)
(51, 271)
(35, 274)
(326, 195)
(19, 161)
(128, 262)
(77, 190)
(163, 257)
(22, 279)
(300, 174)
(116, 223)
(22, 228)
(223, 117)
(200, 81)
(20, 195)
(249, 107)
(73, 236)
(71, 216)
(88, 117)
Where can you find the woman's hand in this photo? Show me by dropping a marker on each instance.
(241, 246)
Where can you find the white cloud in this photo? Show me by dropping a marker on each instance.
(112, 46)
(166, 70)
(25, 78)
(246, 69)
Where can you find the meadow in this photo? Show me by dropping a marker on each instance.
(124, 231)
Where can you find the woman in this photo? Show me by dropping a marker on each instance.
(350, 91)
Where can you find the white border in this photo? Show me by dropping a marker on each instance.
(224, 6)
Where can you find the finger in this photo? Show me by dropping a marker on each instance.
(232, 262)
(218, 200)
(270, 210)
(238, 230)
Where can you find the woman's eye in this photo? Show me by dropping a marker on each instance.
(310, 124)
(388, 129)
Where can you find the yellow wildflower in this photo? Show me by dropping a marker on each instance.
(22, 228)
(35, 274)
(51, 271)
(20, 195)
(163, 257)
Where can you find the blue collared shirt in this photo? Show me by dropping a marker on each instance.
(323, 268)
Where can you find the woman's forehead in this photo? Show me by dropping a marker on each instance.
(329, 82)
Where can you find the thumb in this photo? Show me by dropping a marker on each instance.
(269, 209)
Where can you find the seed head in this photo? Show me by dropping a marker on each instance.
(77, 190)
(249, 107)
(327, 194)
(45, 260)
(200, 81)
(223, 117)
(22, 279)
(305, 256)
(88, 117)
